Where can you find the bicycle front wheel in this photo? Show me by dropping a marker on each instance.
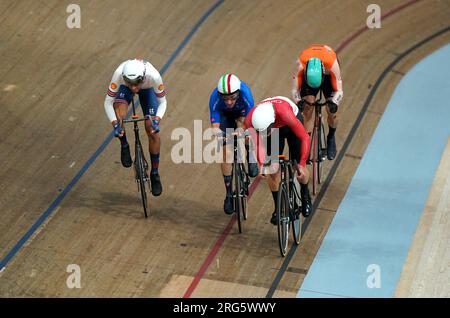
(244, 191)
(283, 219)
(140, 172)
(322, 152)
(238, 207)
(315, 159)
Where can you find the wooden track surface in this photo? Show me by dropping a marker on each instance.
(53, 82)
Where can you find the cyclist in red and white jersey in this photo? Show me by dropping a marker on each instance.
(283, 114)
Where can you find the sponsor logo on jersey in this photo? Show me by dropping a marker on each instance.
(113, 85)
(161, 95)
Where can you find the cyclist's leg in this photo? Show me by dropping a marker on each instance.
(332, 120)
(294, 149)
(123, 99)
(227, 124)
(328, 91)
(274, 179)
(149, 105)
(308, 94)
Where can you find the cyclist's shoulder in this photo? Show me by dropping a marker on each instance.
(322, 51)
(245, 89)
(214, 98)
(214, 94)
(119, 68)
(245, 86)
(151, 71)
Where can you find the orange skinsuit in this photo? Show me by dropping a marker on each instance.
(331, 66)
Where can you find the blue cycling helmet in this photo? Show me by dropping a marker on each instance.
(314, 72)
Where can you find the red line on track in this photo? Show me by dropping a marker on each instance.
(352, 37)
(257, 180)
(218, 244)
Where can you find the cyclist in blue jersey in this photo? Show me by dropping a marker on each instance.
(229, 103)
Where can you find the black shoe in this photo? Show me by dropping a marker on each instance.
(306, 205)
(331, 148)
(253, 169)
(125, 156)
(274, 219)
(228, 204)
(156, 184)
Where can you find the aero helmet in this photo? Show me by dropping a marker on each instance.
(263, 116)
(133, 71)
(228, 84)
(314, 72)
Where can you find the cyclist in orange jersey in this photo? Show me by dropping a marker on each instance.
(318, 69)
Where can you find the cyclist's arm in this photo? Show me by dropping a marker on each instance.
(111, 96)
(247, 97)
(240, 122)
(214, 112)
(158, 87)
(297, 80)
(249, 102)
(256, 138)
(299, 130)
(336, 83)
(216, 129)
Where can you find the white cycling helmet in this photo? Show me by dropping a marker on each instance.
(228, 84)
(263, 116)
(133, 71)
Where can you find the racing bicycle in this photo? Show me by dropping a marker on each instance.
(139, 162)
(241, 178)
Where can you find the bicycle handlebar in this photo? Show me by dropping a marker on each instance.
(293, 163)
(138, 119)
(316, 103)
(238, 136)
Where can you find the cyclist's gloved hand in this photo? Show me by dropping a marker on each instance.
(220, 134)
(118, 131)
(301, 105)
(332, 107)
(155, 124)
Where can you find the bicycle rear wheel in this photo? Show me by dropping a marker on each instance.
(140, 173)
(296, 217)
(283, 219)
